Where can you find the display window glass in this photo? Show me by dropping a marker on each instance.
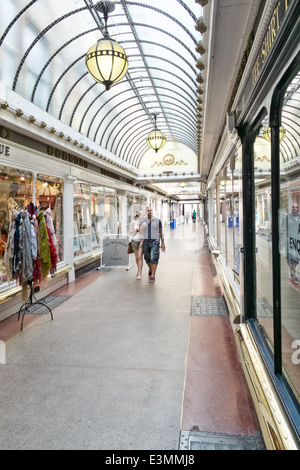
(94, 215)
(15, 193)
(263, 232)
(135, 203)
(288, 349)
(215, 212)
(237, 191)
(289, 221)
(229, 190)
(49, 196)
(223, 213)
(82, 218)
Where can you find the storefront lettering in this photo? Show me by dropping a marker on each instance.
(294, 241)
(296, 354)
(67, 157)
(269, 38)
(270, 35)
(5, 150)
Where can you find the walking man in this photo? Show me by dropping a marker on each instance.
(152, 233)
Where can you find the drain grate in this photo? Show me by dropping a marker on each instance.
(191, 440)
(209, 306)
(52, 301)
(264, 308)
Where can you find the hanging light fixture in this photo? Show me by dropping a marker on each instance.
(267, 133)
(106, 60)
(156, 139)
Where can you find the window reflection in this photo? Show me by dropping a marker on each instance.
(94, 215)
(15, 193)
(289, 220)
(262, 175)
(49, 194)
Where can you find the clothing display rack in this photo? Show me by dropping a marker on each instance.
(29, 302)
(31, 252)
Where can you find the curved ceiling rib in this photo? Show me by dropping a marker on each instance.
(16, 18)
(100, 109)
(37, 39)
(118, 116)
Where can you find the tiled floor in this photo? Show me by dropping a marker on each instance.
(184, 365)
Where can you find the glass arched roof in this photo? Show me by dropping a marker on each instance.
(43, 45)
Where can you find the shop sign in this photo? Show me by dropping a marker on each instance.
(272, 31)
(294, 238)
(115, 250)
(67, 157)
(5, 150)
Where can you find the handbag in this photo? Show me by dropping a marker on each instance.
(129, 249)
(47, 200)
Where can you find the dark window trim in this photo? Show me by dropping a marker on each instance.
(280, 383)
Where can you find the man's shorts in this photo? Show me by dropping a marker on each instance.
(151, 252)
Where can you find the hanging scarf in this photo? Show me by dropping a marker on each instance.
(50, 226)
(44, 244)
(9, 250)
(37, 272)
(25, 247)
(53, 254)
(16, 255)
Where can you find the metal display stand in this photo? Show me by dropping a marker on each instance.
(29, 302)
(114, 251)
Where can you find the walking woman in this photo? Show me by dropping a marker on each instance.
(137, 244)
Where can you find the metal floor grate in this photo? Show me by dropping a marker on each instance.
(192, 440)
(209, 306)
(264, 308)
(52, 301)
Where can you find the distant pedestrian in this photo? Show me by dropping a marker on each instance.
(194, 215)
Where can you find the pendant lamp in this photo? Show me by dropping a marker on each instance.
(106, 60)
(156, 139)
(267, 133)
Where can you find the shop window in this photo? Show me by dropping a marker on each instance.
(287, 349)
(289, 221)
(15, 193)
(263, 232)
(229, 189)
(94, 215)
(103, 214)
(49, 196)
(215, 212)
(223, 213)
(82, 218)
(109, 218)
(135, 203)
(237, 190)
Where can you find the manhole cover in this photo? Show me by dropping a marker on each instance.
(209, 306)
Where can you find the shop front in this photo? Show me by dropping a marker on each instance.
(255, 224)
(77, 201)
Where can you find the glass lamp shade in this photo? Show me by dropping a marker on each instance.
(267, 133)
(156, 140)
(107, 62)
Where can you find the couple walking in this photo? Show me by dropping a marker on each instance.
(146, 234)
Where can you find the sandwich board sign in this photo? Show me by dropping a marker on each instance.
(114, 251)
